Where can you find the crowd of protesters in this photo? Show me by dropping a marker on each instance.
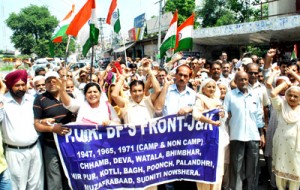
(258, 100)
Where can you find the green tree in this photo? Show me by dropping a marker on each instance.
(60, 48)
(244, 10)
(226, 18)
(211, 11)
(224, 12)
(32, 29)
(185, 8)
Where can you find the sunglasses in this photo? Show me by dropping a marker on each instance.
(253, 73)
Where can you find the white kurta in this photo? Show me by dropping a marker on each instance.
(286, 153)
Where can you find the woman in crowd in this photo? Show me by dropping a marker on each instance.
(225, 183)
(286, 140)
(94, 110)
(273, 121)
(207, 99)
(223, 90)
(138, 108)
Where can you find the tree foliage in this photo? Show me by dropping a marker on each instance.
(211, 11)
(60, 48)
(224, 12)
(185, 8)
(32, 29)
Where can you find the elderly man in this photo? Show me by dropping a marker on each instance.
(226, 76)
(245, 123)
(23, 151)
(39, 85)
(223, 56)
(71, 89)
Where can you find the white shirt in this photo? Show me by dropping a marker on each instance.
(18, 121)
(138, 113)
(261, 91)
(176, 100)
(226, 80)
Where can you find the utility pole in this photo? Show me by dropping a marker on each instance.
(159, 30)
(159, 23)
(3, 28)
(101, 35)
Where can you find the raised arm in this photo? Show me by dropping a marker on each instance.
(160, 101)
(120, 101)
(2, 92)
(17, 64)
(279, 88)
(269, 82)
(68, 102)
(295, 75)
(170, 64)
(65, 98)
(155, 86)
(2, 87)
(269, 57)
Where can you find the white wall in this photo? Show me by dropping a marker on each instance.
(150, 50)
(282, 7)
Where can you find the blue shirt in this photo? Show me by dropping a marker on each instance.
(246, 115)
(176, 100)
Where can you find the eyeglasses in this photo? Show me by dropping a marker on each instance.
(253, 73)
(70, 76)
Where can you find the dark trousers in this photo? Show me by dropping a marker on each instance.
(55, 175)
(243, 164)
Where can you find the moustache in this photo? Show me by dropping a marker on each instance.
(19, 93)
(41, 91)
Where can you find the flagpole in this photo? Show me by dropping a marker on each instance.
(159, 31)
(67, 50)
(124, 50)
(92, 62)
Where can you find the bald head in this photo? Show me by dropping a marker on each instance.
(251, 65)
(241, 81)
(239, 74)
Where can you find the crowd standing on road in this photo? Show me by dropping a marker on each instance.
(258, 101)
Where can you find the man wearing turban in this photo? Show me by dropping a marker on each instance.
(22, 149)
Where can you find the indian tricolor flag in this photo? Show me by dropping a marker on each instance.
(185, 35)
(113, 18)
(60, 30)
(85, 26)
(169, 41)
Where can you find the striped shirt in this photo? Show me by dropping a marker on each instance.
(46, 106)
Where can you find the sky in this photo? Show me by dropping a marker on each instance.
(129, 9)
